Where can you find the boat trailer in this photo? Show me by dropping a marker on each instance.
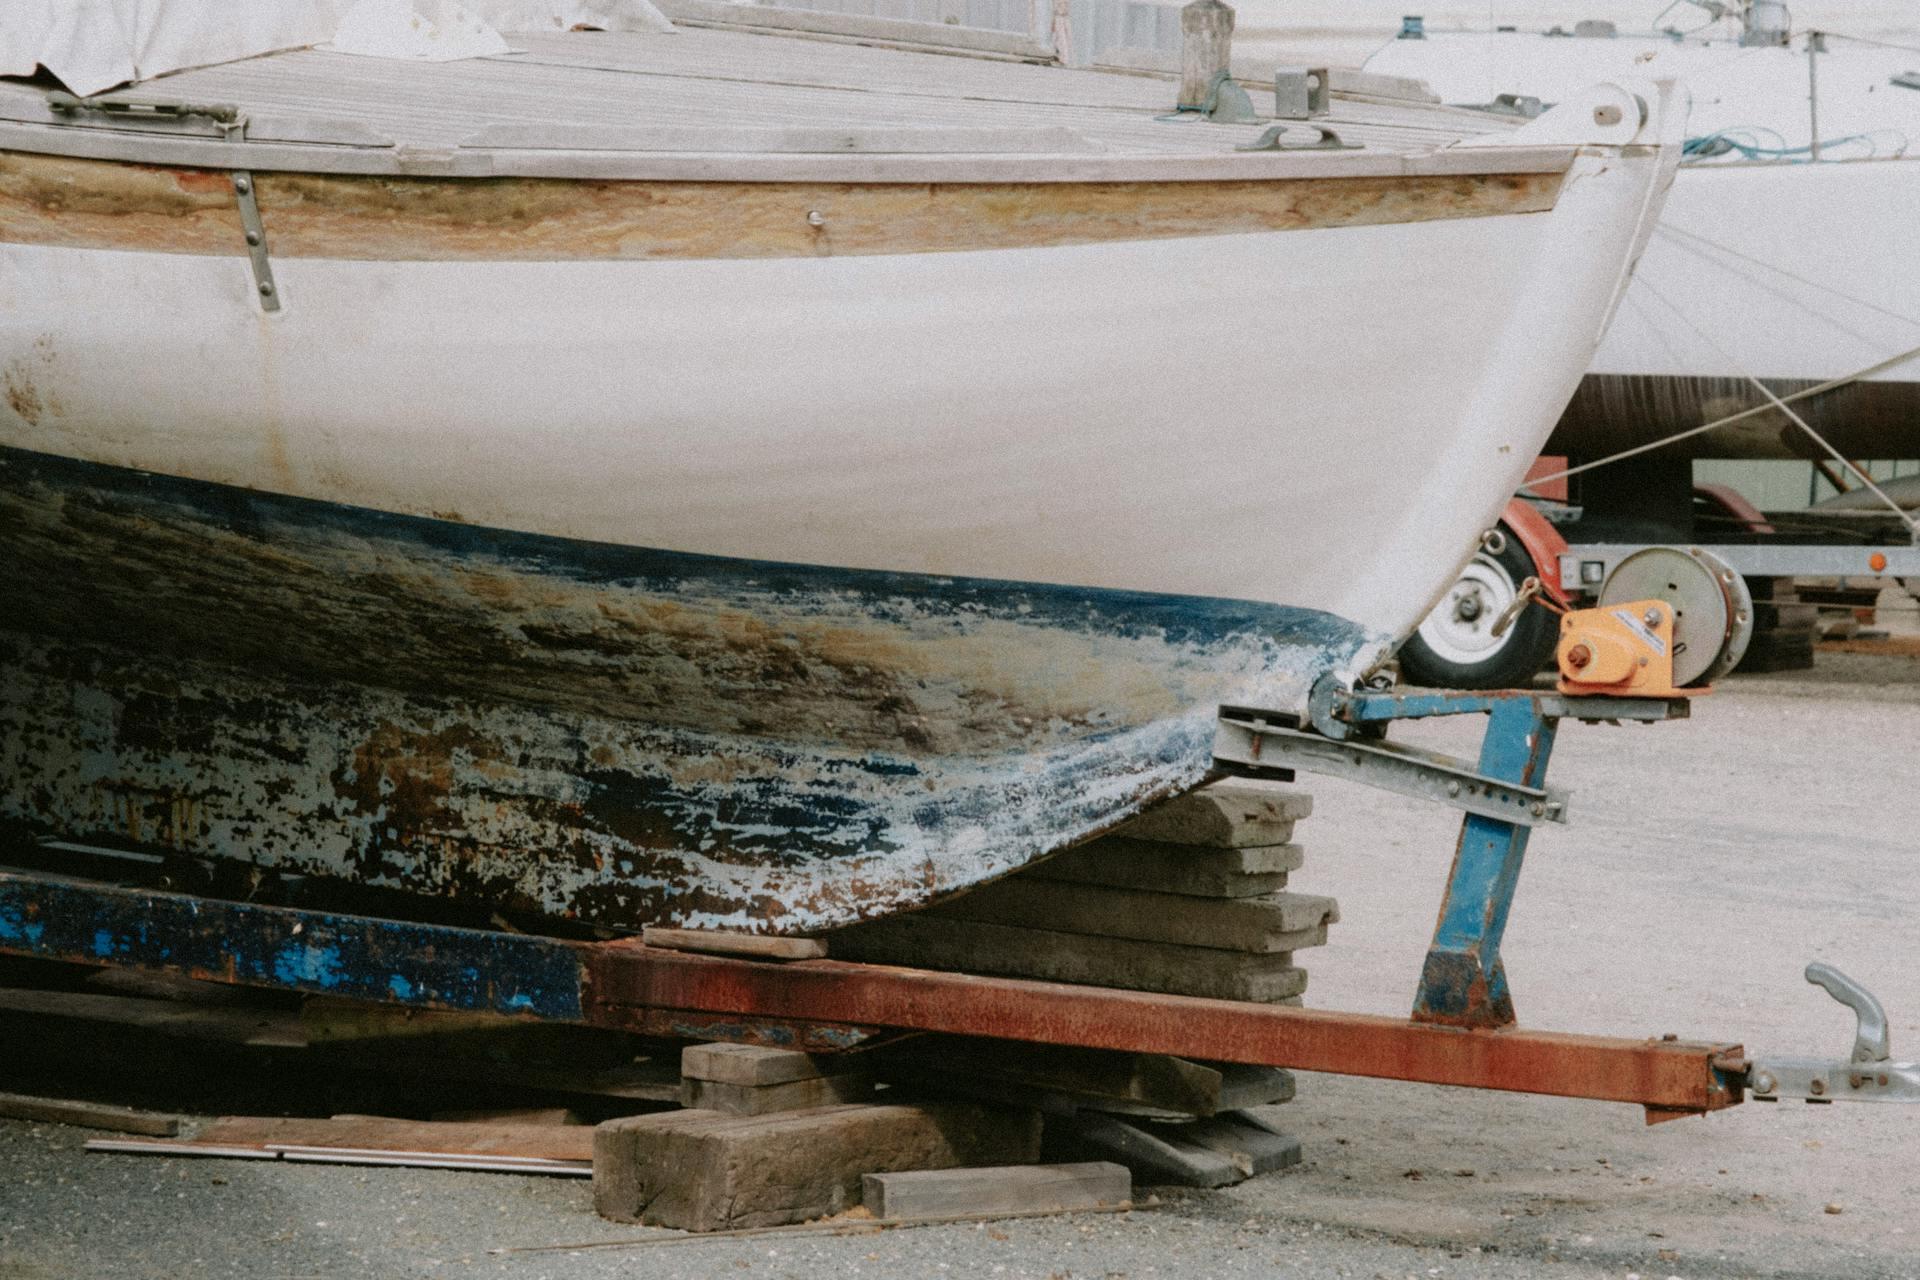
(1461, 1032)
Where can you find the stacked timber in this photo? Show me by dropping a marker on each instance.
(1189, 898)
(772, 1136)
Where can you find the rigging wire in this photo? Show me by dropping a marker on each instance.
(1804, 393)
(1878, 44)
(1744, 140)
(1678, 233)
(1913, 525)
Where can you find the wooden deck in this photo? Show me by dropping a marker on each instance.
(603, 104)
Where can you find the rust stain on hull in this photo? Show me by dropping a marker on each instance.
(99, 204)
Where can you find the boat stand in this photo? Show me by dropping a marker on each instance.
(1461, 1031)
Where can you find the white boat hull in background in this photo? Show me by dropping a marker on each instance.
(1796, 273)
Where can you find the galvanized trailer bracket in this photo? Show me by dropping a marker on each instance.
(219, 119)
(254, 231)
(1410, 771)
(1868, 1074)
(1504, 794)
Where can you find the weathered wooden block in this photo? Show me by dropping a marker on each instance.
(1174, 868)
(510, 1115)
(1156, 1154)
(1253, 1148)
(728, 943)
(1059, 1078)
(1229, 814)
(91, 1115)
(1033, 1188)
(1272, 922)
(764, 1099)
(1243, 1086)
(977, 946)
(754, 1065)
(708, 1171)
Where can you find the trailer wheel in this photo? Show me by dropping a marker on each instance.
(1455, 647)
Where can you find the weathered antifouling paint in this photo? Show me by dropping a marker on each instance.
(309, 951)
(625, 735)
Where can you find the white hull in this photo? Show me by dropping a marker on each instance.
(1796, 273)
(1321, 418)
(765, 592)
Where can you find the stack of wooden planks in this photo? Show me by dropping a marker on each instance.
(1190, 898)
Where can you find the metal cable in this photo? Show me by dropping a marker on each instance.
(1878, 44)
(1664, 441)
(1912, 524)
(1778, 270)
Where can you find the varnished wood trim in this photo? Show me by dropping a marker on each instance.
(95, 204)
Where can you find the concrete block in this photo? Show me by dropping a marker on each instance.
(1229, 814)
(753, 1065)
(709, 1171)
(1174, 868)
(1034, 1188)
(976, 946)
(764, 1099)
(1271, 922)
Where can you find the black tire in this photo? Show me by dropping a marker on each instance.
(1453, 647)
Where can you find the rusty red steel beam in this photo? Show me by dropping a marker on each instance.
(625, 980)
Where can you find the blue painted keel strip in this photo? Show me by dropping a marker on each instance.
(352, 957)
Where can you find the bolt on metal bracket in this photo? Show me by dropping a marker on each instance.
(217, 119)
(1300, 93)
(255, 232)
(1868, 1074)
(1410, 771)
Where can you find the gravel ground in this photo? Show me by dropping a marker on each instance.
(1706, 863)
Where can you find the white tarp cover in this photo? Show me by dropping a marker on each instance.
(92, 45)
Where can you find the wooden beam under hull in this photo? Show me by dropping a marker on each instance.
(630, 986)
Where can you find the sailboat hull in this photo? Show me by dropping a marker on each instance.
(763, 590)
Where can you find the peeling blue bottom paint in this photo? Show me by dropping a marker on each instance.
(621, 734)
(316, 952)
